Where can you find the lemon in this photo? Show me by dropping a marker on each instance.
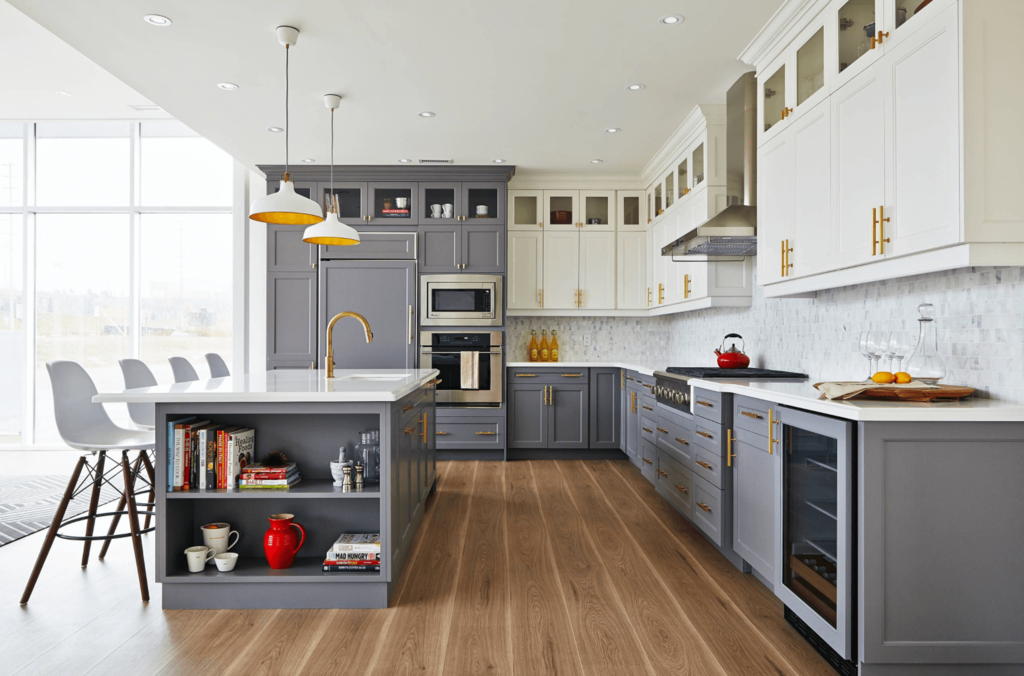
(902, 377)
(883, 377)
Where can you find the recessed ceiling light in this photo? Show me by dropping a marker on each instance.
(671, 19)
(275, 129)
(498, 161)
(426, 113)
(613, 130)
(227, 86)
(596, 161)
(156, 20)
(405, 161)
(145, 107)
(635, 87)
(63, 93)
(308, 160)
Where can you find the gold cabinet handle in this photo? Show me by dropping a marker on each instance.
(705, 403)
(648, 430)
(486, 434)
(407, 408)
(633, 402)
(682, 489)
(408, 430)
(526, 375)
(662, 472)
(704, 434)
(622, 379)
(706, 466)
(580, 304)
(441, 434)
(662, 430)
(755, 416)
(646, 385)
(882, 220)
(686, 286)
(729, 455)
(648, 408)
(782, 258)
(540, 225)
(312, 366)
(629, 378)
(647, 461)
(648, 288)
(545, 395)
(434, 382)
(786, 266)
(572, 375)
(661, 293)
(703, 506)
(540, 297)
(423, 422)
(877, 39)
(576, 297)
(684, 442)
(771, 432)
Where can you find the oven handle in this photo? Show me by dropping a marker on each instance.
(436, 352)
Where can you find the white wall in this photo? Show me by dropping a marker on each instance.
(979, 313)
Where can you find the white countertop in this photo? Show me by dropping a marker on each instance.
(802, 395)
(646, 368)
(298, 385)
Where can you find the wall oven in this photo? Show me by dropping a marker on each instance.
(470, 366)
(816, 558)
(460, 300)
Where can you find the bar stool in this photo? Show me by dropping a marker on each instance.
(85, 426)
(136, 374)
(218, 369)
(182, 370)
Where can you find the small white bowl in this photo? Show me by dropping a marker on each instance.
(226, 561)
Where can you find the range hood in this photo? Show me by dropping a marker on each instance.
(733, 231)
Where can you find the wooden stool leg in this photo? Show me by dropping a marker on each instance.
(133, 522)
(152, 484)
(116, 520)
(52, 533)
(94, 502)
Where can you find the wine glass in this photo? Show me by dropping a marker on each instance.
(899, 346)
(877, 341)
(866, 351)
(889, 348)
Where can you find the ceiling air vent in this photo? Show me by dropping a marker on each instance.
(436, 161)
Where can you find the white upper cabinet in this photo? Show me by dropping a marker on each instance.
(561, 209)
(630, 210)
(631, 265)
(525, 209)
(810, 244)
(597, 271)
(856, 45)
(775, 206)
(598, 210)
(561, 269)
(525, 269)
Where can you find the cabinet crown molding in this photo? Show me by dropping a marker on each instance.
(792, 16)
(582, 181)
(702, 116)
(384, 172)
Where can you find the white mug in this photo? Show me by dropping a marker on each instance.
(217, 536)
(226, 561)
(481, 210)
(448, 210)
(435, 211)
(401, 202)
(198, 557)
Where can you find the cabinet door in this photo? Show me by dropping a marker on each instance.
(659, 238)
(384, 293)
(483, 248)
(286, 252)
(648, 460)
(756, 499)
(632, 270)
(852, 53)
(858, 167)
(568, 419)
(291, 318)
(597, 270)
(405, 438)
(811, 76)
(597, 210)
(922, 130)
(561, 210)
(526, 209)
(483, 203)
(394, 203)
(352, 200)
(811, 242)
(525, 269)
(605, 408)
(676, 225)
(438, 195)
(633, 426)
(775, 206)
(773, 100)
(440, 248)
(630, 211)
(527, 415)
(561, 268)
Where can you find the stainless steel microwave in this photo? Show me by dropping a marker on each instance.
(460, 300)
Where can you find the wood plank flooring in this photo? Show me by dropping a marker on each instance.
(542, 567)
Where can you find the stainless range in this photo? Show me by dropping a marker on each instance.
(672, 388)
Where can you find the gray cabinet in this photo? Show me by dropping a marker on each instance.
(439, 193)
(471, 433)
(384, 206)
(544, 416)
(440, 248)
(483, 248)
(491, 195)
(632, 427)
(755, 480)
(568, 422)
(291, 319)
(390, 246)
(462, 248)
(648, 460)
(606, 388)
(382, 291)
(527, 415)
(286, 252)
(352, 200)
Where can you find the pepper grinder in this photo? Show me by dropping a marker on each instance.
(347, 481)
(359, 475)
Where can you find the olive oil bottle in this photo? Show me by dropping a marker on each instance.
(553, 349)
(545, 349)
(534, 349)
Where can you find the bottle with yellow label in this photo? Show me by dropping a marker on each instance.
(545, 350)
(554, 346)
(534, 349)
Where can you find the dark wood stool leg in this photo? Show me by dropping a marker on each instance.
(133, 522)
(152, 484)
(94, 502)
(52, 533)
(116, 520)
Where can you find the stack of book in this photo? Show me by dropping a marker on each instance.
(259, 476)
(205, 455)
(354, 552)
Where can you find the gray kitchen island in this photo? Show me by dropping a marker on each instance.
(307, 416)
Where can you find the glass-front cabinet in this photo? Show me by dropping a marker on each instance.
(561, 209)
(810, 67)
(670, 189)
(393, 202)
(857, 37)
(483, 203)
(658, 203)
(773, 99)
(438, 203)
(697, 162)
(683, 176)
(525, 210)
(351, 200)
(629, 211)
(598, 210)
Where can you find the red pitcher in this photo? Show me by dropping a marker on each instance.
(280, 540)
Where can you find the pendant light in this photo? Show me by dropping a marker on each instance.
(286, 206)
(331, 231)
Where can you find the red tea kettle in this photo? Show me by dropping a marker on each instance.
(732, 358)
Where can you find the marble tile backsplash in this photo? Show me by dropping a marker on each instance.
(979, 314)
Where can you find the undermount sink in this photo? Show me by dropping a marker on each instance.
(376, 376)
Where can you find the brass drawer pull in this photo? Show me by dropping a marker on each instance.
(647, 408)
(684, 442)
(705, 465)
(662, 472)
(572, 375)
(703, 506)
(408, 430)
(423, 421)
(704, 434)
(407, 408)
(435, 381)
(705, 403)
(526, 375)
(647, 461)
(682, 489)
(646, 385)
(755, 416)
(662, 430)
(489, 434)
(648, 430)
(441, 434)
(628, 378)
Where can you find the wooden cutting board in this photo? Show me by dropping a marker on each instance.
(942, 393)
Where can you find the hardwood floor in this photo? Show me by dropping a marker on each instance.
(542, 567)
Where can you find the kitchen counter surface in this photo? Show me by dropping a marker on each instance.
(299, 385)
(802, 395)
(646, 368)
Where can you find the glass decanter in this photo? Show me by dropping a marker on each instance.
(924, 363)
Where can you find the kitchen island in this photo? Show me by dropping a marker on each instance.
(308, 417)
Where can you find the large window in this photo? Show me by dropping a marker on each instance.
(125, 250)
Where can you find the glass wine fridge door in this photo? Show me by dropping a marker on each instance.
(817, 565)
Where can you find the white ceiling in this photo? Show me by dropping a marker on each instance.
(36, 64)
(534, 82)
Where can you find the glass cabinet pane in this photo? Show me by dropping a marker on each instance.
(684, 178)
(436, 201)
(670, 189)
(774, 99)
(350, 202)
(483, 203)
(856, 26)
(698, 165)
(631, 210)
(596, 210)
(525, 210)
(657, 200)
(392, 203)
(907, 9)
(561, 210)
(650, 210)
(810, 66)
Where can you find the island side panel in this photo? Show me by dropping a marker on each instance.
(941, 525)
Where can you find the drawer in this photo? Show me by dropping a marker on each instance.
(707, 509)
(707, 404)
(376, 246)
(646, 406)
(470, 432)
(675, 438)
(648, 458)
(648, 429)
(675, 483)
(708, 436)
(708, 466)
(405, 409)
(750, 414)
(548, 375)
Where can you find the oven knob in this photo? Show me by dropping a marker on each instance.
(679, 397)
(659, 391)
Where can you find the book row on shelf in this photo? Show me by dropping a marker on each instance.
(353, 552)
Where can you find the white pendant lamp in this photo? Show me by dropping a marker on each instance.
(331, 231)
(286, 206)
